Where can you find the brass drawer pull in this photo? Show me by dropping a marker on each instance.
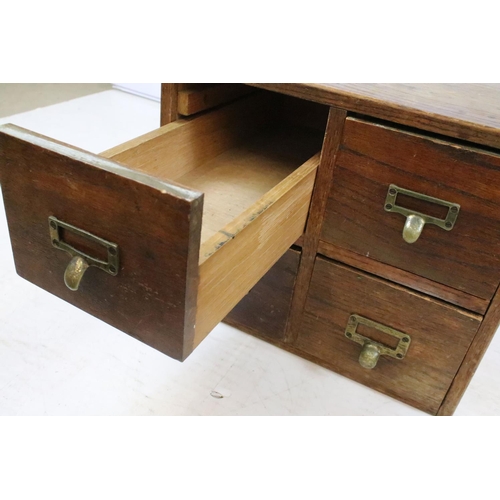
(371, 351)
(415, 221)
(81, 261)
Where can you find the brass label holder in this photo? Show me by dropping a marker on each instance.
(415, 221)
(82, 261)
(372, 350)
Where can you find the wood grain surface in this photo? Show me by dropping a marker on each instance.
(236, 179)
(265, 309)
(468, 111)
(310, 240)
(372, 157)
(396, 275)
(440, 334)
(172, 151)
(156, 226)
(168, 107)
(233, 260)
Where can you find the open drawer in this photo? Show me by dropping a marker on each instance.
(161, 236)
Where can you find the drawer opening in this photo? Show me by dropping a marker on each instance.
(234, 155)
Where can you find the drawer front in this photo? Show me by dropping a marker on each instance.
(264, 311)
(373, 157)
(439, 335)
(154, 225)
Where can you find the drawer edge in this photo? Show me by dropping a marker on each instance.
(405, 278)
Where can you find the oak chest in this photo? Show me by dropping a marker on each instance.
(357, 231)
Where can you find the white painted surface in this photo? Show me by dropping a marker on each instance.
(58, 360)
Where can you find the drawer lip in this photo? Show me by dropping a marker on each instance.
(424, 376)
(374, 156)
(158, 303)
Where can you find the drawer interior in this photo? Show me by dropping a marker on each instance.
(247, 158)
(234, 156)
(200, 210)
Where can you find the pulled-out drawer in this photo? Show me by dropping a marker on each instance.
(392, 339)
(421, 204)
(162, 236)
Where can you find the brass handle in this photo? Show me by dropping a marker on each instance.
(369, 356)
(415, 221)
(74, 273)
(372, 350)
(413, 228)
(80, 261)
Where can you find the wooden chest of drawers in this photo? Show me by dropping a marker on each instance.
(393, 210)
(415, 149)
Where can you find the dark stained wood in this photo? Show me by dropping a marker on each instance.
(371, 157)
(169, 92)
(473, 357)
(156, 304)
(468, 111)
(265, 309)
(300, 241)
(440, 334)
(396, 275)
(310, 240)
(156, 225)
(195, 99)
(298, 112)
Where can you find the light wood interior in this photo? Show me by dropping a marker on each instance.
(233, 260)
(256, 167)
(234, 155)
(235, 180)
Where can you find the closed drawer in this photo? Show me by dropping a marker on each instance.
(371, 158)
(438, 335)
(178, 225)
(265, 310)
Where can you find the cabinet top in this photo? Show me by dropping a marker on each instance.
(467, 111)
